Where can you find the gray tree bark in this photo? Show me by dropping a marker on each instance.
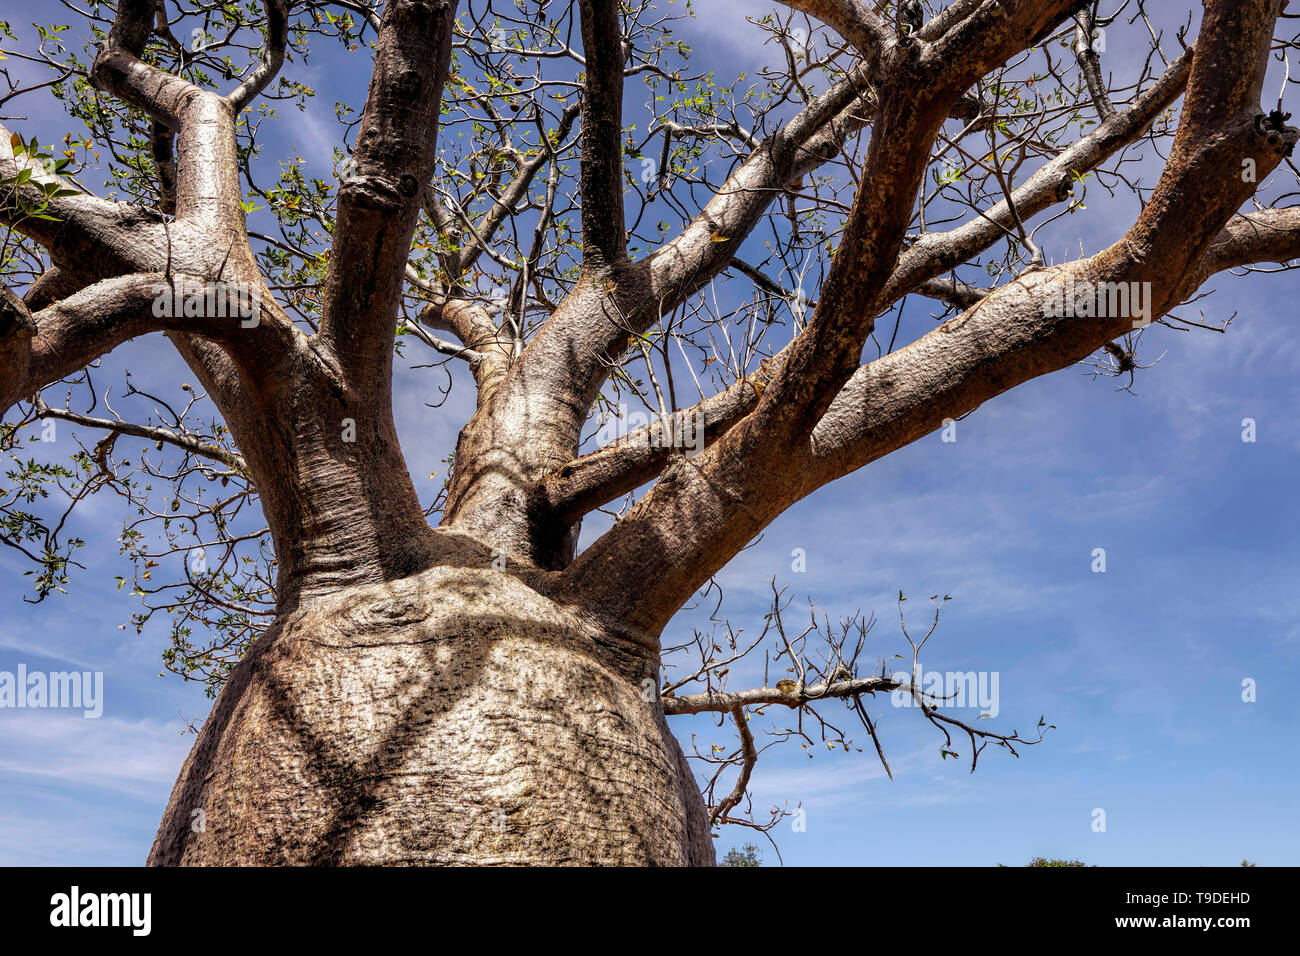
(454, 716)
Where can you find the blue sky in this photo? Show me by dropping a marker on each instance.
(1140, 668)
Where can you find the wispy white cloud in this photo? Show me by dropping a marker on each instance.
(113, 755)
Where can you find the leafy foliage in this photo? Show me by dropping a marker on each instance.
(742, 856)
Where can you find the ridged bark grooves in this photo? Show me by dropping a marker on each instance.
(452, 717)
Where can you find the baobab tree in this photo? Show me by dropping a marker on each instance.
(477, 688)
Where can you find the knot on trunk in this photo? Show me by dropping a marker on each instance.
(379, 192)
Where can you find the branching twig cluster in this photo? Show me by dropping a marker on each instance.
(823, 662)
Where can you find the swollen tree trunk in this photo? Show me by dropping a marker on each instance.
(453, 716)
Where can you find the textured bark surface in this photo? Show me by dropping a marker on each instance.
(455, 716)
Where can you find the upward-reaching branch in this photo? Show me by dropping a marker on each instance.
(379, 199)
(594, 479)
(578, 344)
(603, 239)
(927, 81)
(277, 35)
(119, 70)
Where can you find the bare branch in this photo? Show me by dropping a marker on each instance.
(151, 432)
(934, 252)
(277, 34)
(1090, 63)
(749, 757)
(603, 239)
(726, 702)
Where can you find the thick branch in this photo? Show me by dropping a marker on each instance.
(603, 236)
(576, 343)
(1090, 63)
(52, 285)
(119, 70)
(936, 252)
(277, 35)
(490, 349)
(81, 229)
(853, 20)
(206, 186)
(948, 17)
(927, 86)
(1271, 235)
(601, 476)
(379, 203)
(590, 481)
(100, 317)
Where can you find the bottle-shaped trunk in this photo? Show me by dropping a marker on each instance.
(455, 716)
